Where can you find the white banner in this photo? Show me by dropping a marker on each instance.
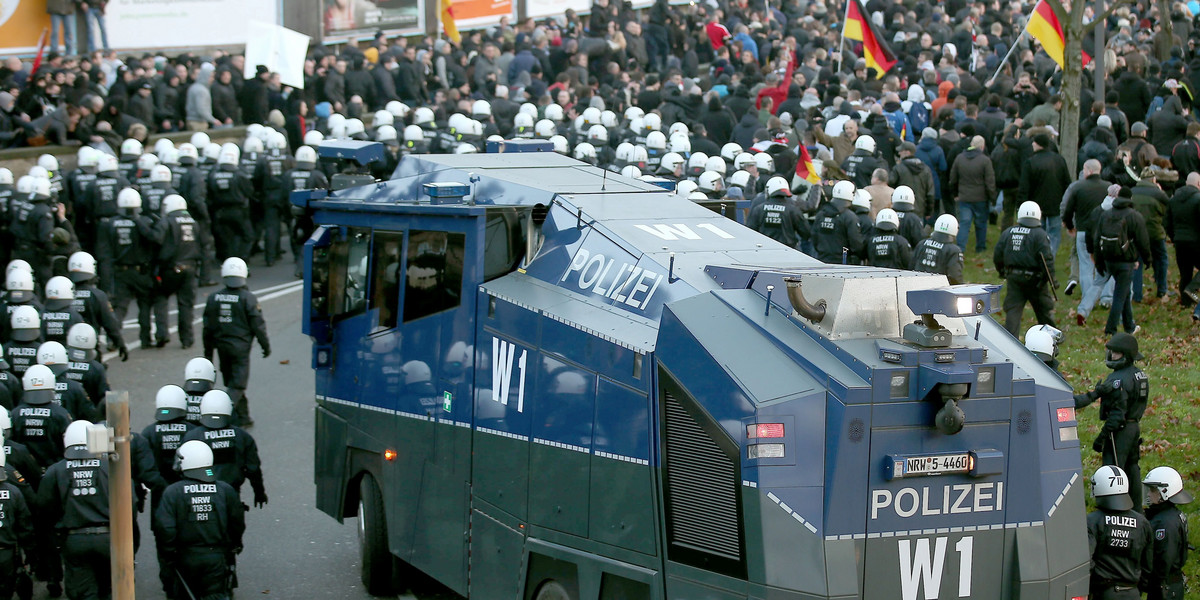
(280, 49)
(553, 8)
(174, 24)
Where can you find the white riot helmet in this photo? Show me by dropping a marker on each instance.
(862, 199)
(716, 164)
(523, 125)
(685, 188)
(188, 153)
(306, 157)
(337, 126)
(5, 430)
(39, 172)
(553, 112)
(695, 164)
(81, 342)
(903, 199)
(652, 122)
(545, 129)
(765, 163)
(698, 196)
(6, 176)
(739, 179)
(89, 157)
(1029, 214)
(170, 403)
(129, 198)
(131, 147)
(579, 125)
(60, 288)
(169, 157)
(38, 384)
(382, 117)
(591, 116)
(710, 182)
(631, 171)
(25, 186)
(230, 155)
(887, 220)
(844, 190)
(677, 128)
(18, 264)
(624, 154)
(730, 151)
(670, 162)
(414, 133)
(680, 143)
(1168, 483)
(252, 145)
(585, 152)
(528, 109)
(743, 160)
(162, 145)
(234, 272)
(212, 152)
(481, 108)
(253, 130)
(634, 112)
(54, 356)
(48, 162)
(1041, 343)
(215, 409)
(560, 144)
(1110, 488)
(656, 141)
(355, 129)
(41, 188)
(637, 126)
(639, 157)
(865, 142)
(397, 109)
(200, 139)
(313, 138)
(196, 460)
(173, 203)
(422, 116)
(778, 186)
(81, 267)
(387, 135)
(199, 375)
(608, 119)
(160, 174)
(597, 134)
(276, 140)
(947, 225)
(19, 284)
(75, 445)
(108, 164)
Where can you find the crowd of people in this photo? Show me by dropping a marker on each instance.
(739, 102)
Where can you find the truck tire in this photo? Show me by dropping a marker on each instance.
(372, 540)
(552, 590)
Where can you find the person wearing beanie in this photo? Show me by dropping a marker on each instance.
(1044, 179)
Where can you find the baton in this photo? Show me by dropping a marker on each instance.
(184, 584)
(1049, 277)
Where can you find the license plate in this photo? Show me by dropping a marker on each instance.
(937, 464)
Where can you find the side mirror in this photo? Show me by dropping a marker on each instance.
(317, 255)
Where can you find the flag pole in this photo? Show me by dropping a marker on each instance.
(842, 42)
(1012, 48)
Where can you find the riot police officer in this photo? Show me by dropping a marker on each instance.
(835, 232)
(99, 203)
(887, 248)
(38, 422)
(125, 245)
(33, 232)
(166, 433)
(8, 192)
(229, 195)
(92, 302)
(199, 526)
(1024, 257)
(176, 264)
(131, 151)
(303, 176)
(862, 162)
(84, 365)
(1123, 396)
(779, 218)
(159, 188)
(18, 292)
(234, 450)
(16, 530)
(269, 180)
(193, 186)
(861, 207)
(1119, 538)
(25, 336)
(74, 494)
(76, 185)
(232, 320)
(912, 227)
(1042, 341)
(68, 393)
(199, 377)
(18, 455)
(1164, 495)
(939, 254)
(59, 314)
(10, 386)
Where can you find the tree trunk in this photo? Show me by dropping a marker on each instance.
(1164, 17)
(1068, 139)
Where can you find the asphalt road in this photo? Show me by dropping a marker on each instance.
(291, 549)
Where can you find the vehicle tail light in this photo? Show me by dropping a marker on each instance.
(1066, 414)
(764, 451)
(764, 430)
(389, 454)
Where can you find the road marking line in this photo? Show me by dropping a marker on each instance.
(132, 323)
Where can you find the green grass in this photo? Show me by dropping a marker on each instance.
(1168, 339)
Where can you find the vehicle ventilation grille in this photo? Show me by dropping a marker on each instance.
(1024, 422)
(856, 430)
(702, 488)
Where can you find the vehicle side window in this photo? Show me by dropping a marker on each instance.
(386, 276)
(433, 273)
(348, 273)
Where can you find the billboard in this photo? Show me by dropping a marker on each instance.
(552, 8)
(174, 24)
(473, 14)
(21, 22)
(364, 17)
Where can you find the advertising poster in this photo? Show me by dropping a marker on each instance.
(473, 14)
(171, 24)
(365, 17)
(539, 9)
(21, 22)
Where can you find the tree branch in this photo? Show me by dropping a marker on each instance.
(1056, 7)
(1105, 15)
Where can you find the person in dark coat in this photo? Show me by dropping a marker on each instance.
(254, 98)
(1168, 126)
(385, 84)
(743, 132)
(717, 120)
(973, 187)
(914, 173)
(1182, 225)
(1185, 155)
(1133, 96)
(359, 82)
(1044, 179)
(141, 104)
(224, 99)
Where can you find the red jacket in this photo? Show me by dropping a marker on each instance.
(779, 92)
(717, 34)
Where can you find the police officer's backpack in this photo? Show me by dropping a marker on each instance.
(1113, 243)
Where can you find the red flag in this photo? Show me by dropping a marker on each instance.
(859, 27)
(37, 62)
(1044, 27)
(804, 167)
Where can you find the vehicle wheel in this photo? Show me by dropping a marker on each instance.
(552, 590)
(372, 540)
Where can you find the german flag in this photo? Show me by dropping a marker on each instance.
(804, 167)
(446, 10)
(859, 27)
(1043, 26)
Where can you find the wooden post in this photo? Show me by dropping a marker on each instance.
(120, 497)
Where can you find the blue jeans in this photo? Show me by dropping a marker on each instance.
(1053, 227)
(978, 212)
(68, 26)
(1121, 312)
(1158, 256)
(95, 15)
